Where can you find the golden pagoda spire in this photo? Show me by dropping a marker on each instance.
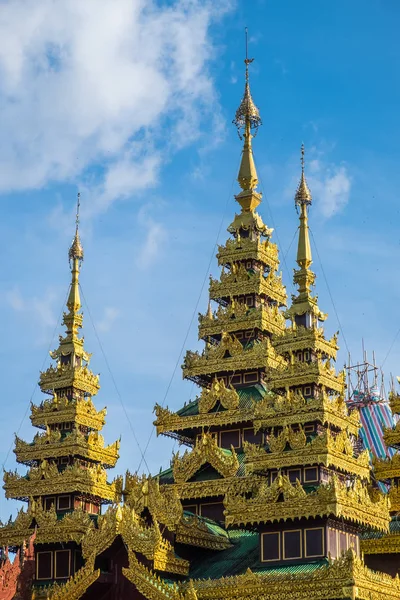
(247, 118)
(304, 302)
(75, 256)
(71, 345)
(303, 199)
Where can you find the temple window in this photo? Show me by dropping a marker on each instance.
(292, 544)
(250, 377)
(62, 564)
(49, 502)
(63, 502)
(306, 356)
(44, 565)
(249, 300)
(212, 510)
(314, 542)
(250, 436)
(230, 438)
(307, 391)
(191, 508)
(294, 475)
(309, 428)
(310, 474)
(236, 379)
(270, 546)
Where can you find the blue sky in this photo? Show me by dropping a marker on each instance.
(132, 104)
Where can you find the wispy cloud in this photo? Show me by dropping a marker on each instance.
(155, 237)
(331, 184)
(108, 319)
(84, 81)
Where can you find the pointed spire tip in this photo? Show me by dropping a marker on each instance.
(76, 249)
(303, 194)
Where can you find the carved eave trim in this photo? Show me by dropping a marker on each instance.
(86, 481)
(346, 577)
(81, 412)
(172, 422)
(301, 338)
(65, 376)
(75, 587)
(354, 505)
(392, 436)
(246, 249)
(27, 453)
(193, 533)
(394, 401)
(260, 356)
(261, 460)
(262, 319)
(305, 374)
(205, 451)
(387, 544)
(386, 469)
(271, 287)
(150, 585)
(214, 487)
(301, 417)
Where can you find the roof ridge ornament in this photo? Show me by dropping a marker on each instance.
(303, 194)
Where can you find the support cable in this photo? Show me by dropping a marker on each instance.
(329, 290)
(114, 382)
(192, 318)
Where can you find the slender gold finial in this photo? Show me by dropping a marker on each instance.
(303, 194)
(247, 119)
(76, 249)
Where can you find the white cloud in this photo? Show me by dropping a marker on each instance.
(156, 236)
(91, 82)
(41, 310)
(330, 186)
(110, 315)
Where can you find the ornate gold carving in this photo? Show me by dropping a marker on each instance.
(387, 544)
(276, 410)
(50, 445)
(325, 449)
(214, 487)
(61, 410)
(299, 338)
(394, 401)
(191, 530)
(239, 282)
(205, 451)
(354, 503)
(163, 504)
(169, 421)
(302, 373)
(344, 578)
(386, 468)
(67, 376)
(46, 480)
(392, 435)
(227, 396)
(237, 249)
(75, 587)
(230, 355)
(238, 316)
(150, 585)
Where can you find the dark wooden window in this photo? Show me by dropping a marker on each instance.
(250, 377)
(294, 474)
(274, 475)
(307, 390)
(292, 544)
(253, 438)
(310, 474)
(270, 546)
(309, 428)
(314, 542)
(230, 438)
(64, 502)
(49, 502)
(191, 508)
(62, 564)
(213, 510)
(44, 565)
(95, 509)
(236, 379)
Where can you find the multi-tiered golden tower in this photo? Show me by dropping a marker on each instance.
(66, 483)
(273, 492)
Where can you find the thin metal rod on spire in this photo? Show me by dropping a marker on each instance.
(78, 206)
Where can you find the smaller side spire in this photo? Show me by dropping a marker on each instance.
(247, 119)
(75, 255)
(304, 303)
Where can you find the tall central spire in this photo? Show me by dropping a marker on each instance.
(247, 118)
